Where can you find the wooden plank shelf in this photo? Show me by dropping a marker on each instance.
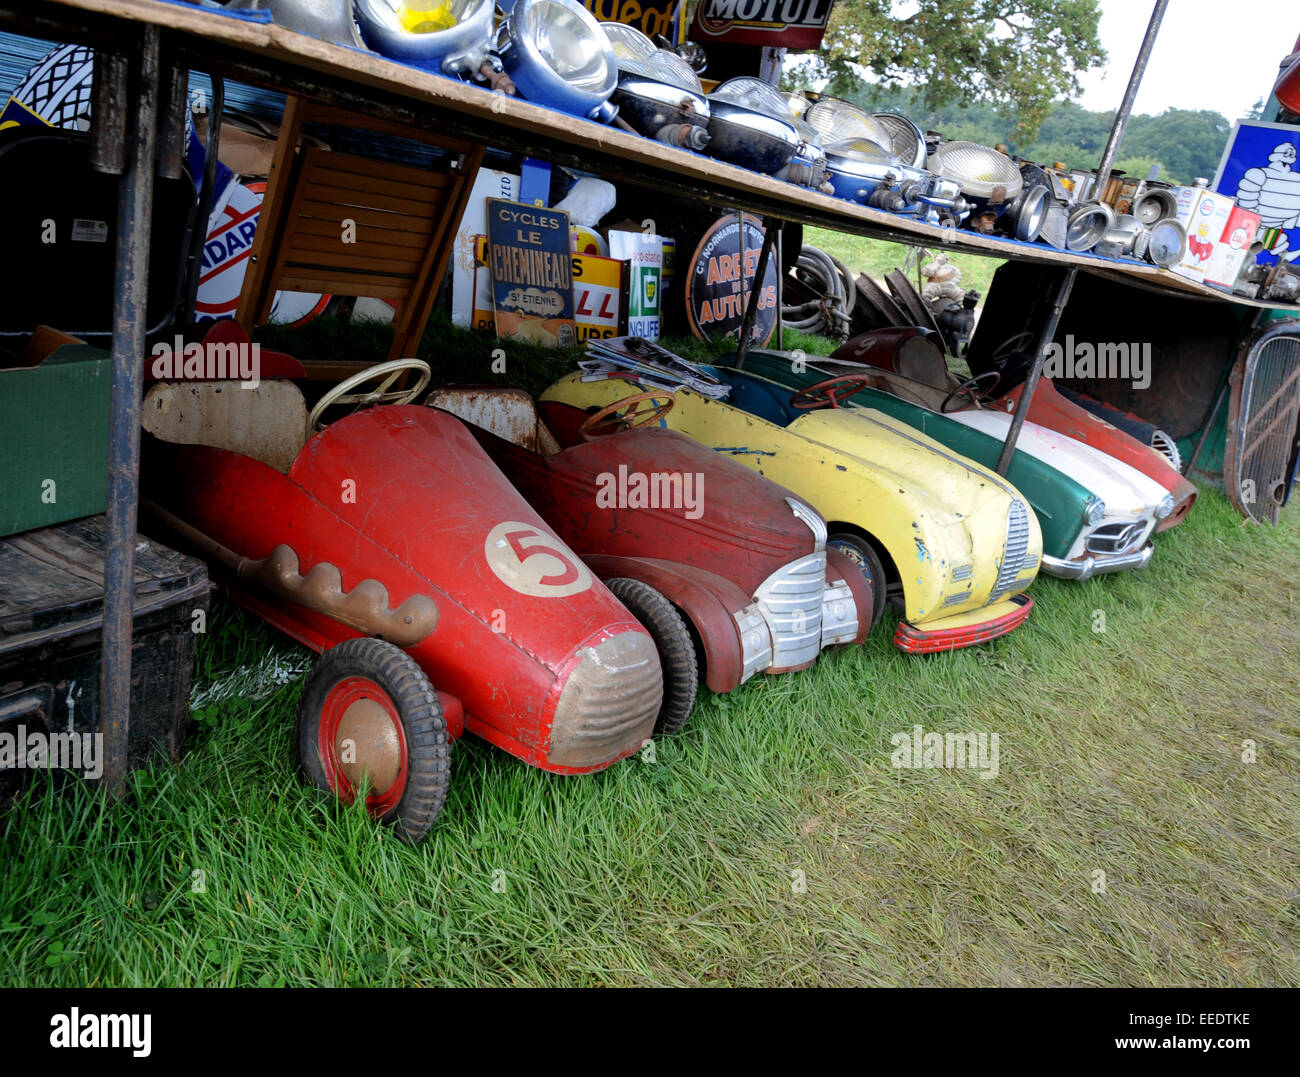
(277, 58)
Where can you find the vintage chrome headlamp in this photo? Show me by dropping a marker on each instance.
(839, 121)
(628, 42)
(989, 179)
(1165, 507)
(1095, 512)
(748, 126)
(659, 95)
(905, 139)
(1025, 216)
(1088, 223)
(455, 42)
(556, 54)
(1168, 244)
(328, 20)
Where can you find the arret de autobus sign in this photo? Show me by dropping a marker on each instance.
(649, 16)
(786, 24)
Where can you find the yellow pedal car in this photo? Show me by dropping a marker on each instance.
(952, 544)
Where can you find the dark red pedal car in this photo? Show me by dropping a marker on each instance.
(698, 547)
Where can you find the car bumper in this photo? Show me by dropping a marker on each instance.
(1097, 565)
(964, 630)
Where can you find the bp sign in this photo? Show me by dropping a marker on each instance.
(722, 277)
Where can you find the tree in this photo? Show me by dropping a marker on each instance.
(1020, 54)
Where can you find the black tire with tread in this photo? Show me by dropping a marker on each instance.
(676, 649)
(428, 762)
(859, 550)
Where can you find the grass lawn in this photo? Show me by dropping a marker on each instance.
(1124, 840)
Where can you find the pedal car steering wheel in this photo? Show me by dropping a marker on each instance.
(830, 393)
(342, 393)
(602, 423)
(972, 389)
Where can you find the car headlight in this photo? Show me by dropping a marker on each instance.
(456, 43)
(979, 169)
(1165, 507)
(1095, 512)
(838, 121)
(557, 55)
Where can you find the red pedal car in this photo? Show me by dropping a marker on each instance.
(390, 542)
(697, 546)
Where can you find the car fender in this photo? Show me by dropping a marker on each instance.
(708, 600)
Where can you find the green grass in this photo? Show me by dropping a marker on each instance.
(1121, 752)
(878, 257)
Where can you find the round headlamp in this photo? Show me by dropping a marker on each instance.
(1168, 244)
(905, 139)
(1087, 225)
(628, 42)
(1095, 512)
(837, 121)
(328, 22)
(981, 171)
(1027, 214)
(556, 54)
(451, 38)
(1165, 507)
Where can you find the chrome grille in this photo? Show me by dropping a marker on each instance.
(1116, 538)
(755, 641)
(791, 602)
(1013, 555)
(1263, 447)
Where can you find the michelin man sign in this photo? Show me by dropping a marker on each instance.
(1261, 170)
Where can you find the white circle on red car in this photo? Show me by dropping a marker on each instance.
(532, 561)
(225, 261)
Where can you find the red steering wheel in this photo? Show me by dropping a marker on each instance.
(831, 393)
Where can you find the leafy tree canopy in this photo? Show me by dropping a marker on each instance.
(1021, 54)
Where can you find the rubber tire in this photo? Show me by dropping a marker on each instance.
(859, 550)
(676, 648)
(428, 756)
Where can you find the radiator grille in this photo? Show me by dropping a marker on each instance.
(1013, 556)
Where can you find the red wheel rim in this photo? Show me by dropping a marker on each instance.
(357, 710)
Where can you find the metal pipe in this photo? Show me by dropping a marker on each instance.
(751, 302)
(1130, 95)
(780, 285)
(131, 293)
(109, 113)
(172, 143)
(207, 196)
(1063, 289)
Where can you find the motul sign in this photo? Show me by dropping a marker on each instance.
(789, 24)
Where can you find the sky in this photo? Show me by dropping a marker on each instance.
(1211, 54)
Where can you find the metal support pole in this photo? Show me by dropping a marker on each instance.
(1130, 95)
(108, 92)
(780, 285)
(1063, 289)
(770, 231)
(131, 284)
